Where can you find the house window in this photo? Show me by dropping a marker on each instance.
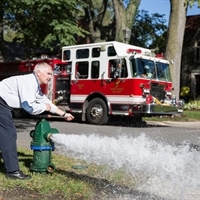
(197, 52)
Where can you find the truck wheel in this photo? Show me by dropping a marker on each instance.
(97, 112)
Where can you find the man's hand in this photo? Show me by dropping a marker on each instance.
(68, 117)
(48, 107)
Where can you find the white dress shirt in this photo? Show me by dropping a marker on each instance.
(23, 91)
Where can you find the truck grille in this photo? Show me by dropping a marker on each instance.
(157, 90)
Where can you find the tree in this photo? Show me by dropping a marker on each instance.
(149, 31)
(176, 31)
(42, 23)
(107, 18)
(175, 40)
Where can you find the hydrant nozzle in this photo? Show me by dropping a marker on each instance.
(47, 136)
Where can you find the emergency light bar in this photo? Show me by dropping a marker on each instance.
(133, 51)
(159, 56)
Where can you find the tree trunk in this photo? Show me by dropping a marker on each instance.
(124, 17)
(175, 41)
(120, 19)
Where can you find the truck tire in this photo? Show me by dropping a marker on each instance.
(97, 112)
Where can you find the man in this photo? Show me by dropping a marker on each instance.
(115, 69)
(22, 91)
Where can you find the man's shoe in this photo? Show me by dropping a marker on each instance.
(17, 175)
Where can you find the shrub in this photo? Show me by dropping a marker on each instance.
(192, 105)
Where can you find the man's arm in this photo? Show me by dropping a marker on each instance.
(60, 112)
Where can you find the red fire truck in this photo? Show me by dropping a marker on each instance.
(99, 80)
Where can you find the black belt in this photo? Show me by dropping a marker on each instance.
(2, 102)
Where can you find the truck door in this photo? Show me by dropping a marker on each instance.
(117, 74)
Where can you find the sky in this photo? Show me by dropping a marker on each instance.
(163, 7)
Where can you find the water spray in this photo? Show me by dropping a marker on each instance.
(170, 172)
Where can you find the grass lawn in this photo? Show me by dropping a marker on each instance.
(72, 180)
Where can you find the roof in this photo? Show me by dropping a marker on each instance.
(191, 28)
(120, 48)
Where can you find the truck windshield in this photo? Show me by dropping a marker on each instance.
(143, 68)
(163, 71)
(149, 69)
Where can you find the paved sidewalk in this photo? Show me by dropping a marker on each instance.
(195, 124)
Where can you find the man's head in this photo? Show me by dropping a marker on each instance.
(43, 72)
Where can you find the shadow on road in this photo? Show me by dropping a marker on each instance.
(25, 124)
(121, 121)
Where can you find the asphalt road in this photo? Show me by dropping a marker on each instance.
(173, 133)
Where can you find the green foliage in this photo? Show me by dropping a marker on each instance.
(191, 2)
(44, 23)
(184, 91)
(192, 105)
(54, 23)
(149, 31)
(185, 94)
(9, 34)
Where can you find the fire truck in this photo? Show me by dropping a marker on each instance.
(100, 80)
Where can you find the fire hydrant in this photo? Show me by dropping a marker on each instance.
(42, 147)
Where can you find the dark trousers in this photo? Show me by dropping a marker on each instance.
(8, 137)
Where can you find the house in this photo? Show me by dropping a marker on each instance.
(190, 64)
